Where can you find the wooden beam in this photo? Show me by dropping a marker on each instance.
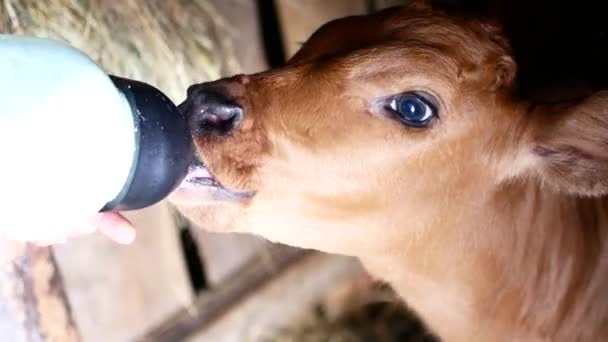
(212, 305)
(33, 305)
(285, 301)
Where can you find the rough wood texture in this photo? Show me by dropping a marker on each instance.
(242, 19)
(224, 254)
(118, 292)
(300, 19)
(214, 304)
(33, 307)
(288, 298)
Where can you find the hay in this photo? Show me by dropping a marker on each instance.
(169, 44)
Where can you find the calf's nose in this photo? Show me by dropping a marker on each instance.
(210, 110)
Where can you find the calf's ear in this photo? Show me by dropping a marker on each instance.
(571, 146)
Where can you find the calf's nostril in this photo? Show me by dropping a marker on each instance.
(211, 110)
(215, 118)
(222, 111)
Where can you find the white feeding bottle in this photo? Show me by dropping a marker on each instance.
(75, 141)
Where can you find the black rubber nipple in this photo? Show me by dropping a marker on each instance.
(164, 147)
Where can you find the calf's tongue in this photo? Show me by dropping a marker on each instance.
(198, 171)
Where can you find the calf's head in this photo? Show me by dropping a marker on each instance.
(381, 130)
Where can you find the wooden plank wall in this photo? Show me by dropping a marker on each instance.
(118, 292)
(33, 306)
(287, 299)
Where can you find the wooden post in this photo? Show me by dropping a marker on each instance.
(33, 305)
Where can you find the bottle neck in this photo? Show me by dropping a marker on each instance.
(163, 147)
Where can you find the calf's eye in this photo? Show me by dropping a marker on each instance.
(413, 109)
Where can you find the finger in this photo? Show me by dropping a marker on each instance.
(89, 227)
(117, 228)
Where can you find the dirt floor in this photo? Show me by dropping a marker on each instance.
(367, 311)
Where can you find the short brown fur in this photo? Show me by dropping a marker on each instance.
(491, 223)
